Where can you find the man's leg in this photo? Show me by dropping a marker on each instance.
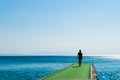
(80, 62)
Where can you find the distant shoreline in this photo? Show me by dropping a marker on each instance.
(63, 55)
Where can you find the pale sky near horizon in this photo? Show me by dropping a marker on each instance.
(59, 27)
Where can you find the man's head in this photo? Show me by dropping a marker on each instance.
(79, 50)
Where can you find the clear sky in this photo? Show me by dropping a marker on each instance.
(59, 27)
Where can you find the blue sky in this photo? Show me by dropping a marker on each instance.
(59, 27)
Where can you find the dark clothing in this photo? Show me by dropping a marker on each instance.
(79, 58)
(79, 62)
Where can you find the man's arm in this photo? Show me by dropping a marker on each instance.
(77, 56)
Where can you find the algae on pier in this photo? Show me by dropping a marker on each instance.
(73, 72)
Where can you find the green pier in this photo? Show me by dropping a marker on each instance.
(73, 72)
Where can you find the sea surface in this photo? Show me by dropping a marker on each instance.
(33, 67)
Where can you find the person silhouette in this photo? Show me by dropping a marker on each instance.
(79, 56)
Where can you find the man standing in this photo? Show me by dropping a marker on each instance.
(79, 56)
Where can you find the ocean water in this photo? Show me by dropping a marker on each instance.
(33, 67)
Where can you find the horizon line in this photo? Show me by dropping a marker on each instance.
(58, 55)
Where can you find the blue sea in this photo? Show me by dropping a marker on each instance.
(33, 67)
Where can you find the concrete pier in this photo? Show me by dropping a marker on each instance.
(74, 72)
(93, 73)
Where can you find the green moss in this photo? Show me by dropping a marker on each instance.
(71, 72)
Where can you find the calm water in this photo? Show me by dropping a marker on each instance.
(33, 67)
